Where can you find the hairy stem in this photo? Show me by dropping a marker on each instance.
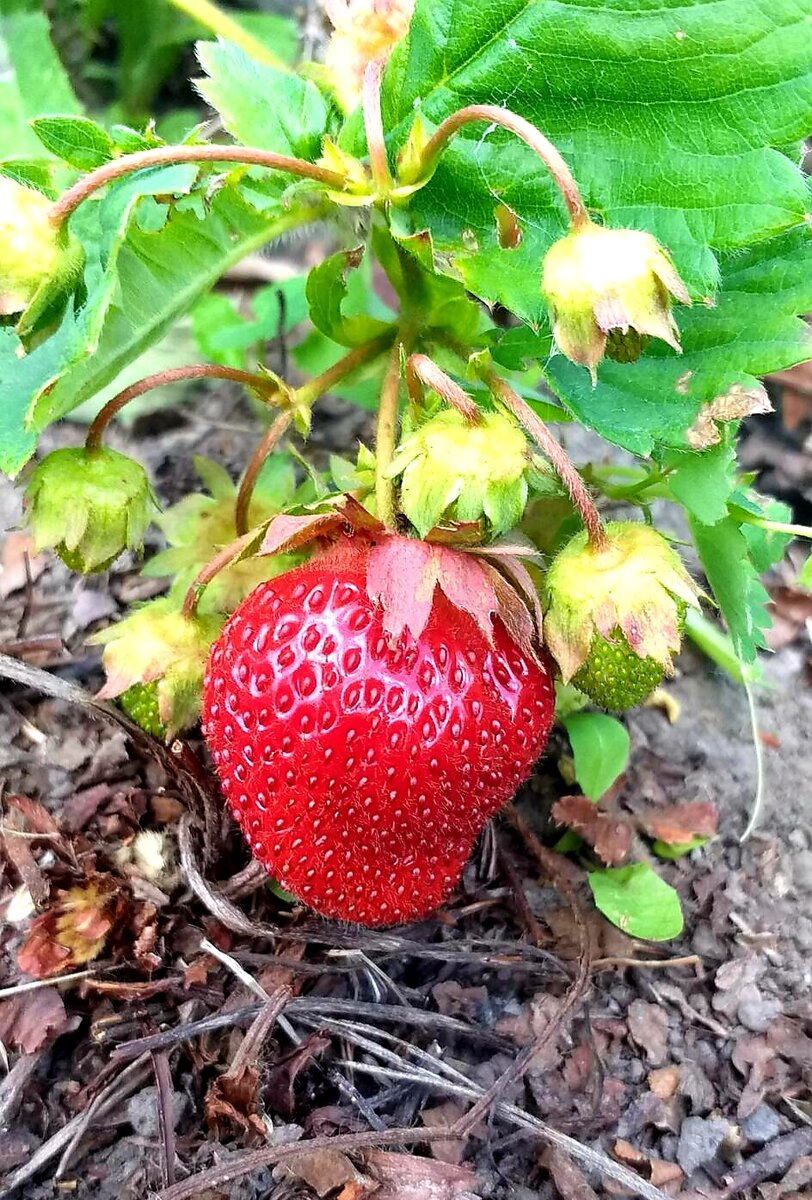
(373, 125)
(214, 19)
(555, 454)
(534, 138)
(420, 369)
(258, 383)
(300, 399)
(309, 392)
(213, 567)
(268, 444)
(385, 439)
(162, 156)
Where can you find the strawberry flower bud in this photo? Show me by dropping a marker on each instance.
(614, 614)
(39, 261)
(157, 645)
(89, 505)
(464, 471)
(608, 291)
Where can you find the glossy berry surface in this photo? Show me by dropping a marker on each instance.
(361, 772)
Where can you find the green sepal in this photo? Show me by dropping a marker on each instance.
(158, 645)
(453, 469)
(89, 506)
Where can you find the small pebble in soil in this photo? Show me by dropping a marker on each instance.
(699, 1141)
(762, 1125)
(755, 1011)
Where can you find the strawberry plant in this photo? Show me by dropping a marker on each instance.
(588, 214)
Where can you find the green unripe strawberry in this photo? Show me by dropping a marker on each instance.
(89, 506)
(615, 612)
(614, 677)
(463, 471)
(140, 702)
(40, 262)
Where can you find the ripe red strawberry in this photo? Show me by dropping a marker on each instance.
(362, 769)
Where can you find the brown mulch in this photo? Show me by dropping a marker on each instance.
(218, 1029)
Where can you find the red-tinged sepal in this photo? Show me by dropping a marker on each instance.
(325, 520)
(403, 574)
(158, 644)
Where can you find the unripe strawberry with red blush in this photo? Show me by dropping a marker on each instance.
(362, 756)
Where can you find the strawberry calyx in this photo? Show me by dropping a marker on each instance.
(632, 593)
(403, 574)
(158, 645)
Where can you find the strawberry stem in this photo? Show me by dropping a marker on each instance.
(213, 567)
(556, 455)
(385, 440)
(373, 125)
(264, 385)
(268, 444)
(161, 156)
(300, 400)
(534, 138)
(421, 370)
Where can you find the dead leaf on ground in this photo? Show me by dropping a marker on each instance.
(73, 930)
(610, 837)
(325, 1171)
(442, 1116)
(648, 1026)
(408, 1177)
(656, 1170)
(30, 1019)
(679, 823)
(13, 575)
(454, 1000)
(791, 609)
(231, 1103)
(280, 1089)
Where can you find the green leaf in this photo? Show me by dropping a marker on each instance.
(600, 747)
(674, 850)
(670, 90)
(259, 105)
(751, 331)
(638, 901)
(33, 80)
(78, 141)
(703, 482)
(280, 34)
(725, 556)
(138, 283)
(225, 335)
(767, 546)
(652, 106)
(327, 295)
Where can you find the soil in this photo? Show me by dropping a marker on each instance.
(687, 1064)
